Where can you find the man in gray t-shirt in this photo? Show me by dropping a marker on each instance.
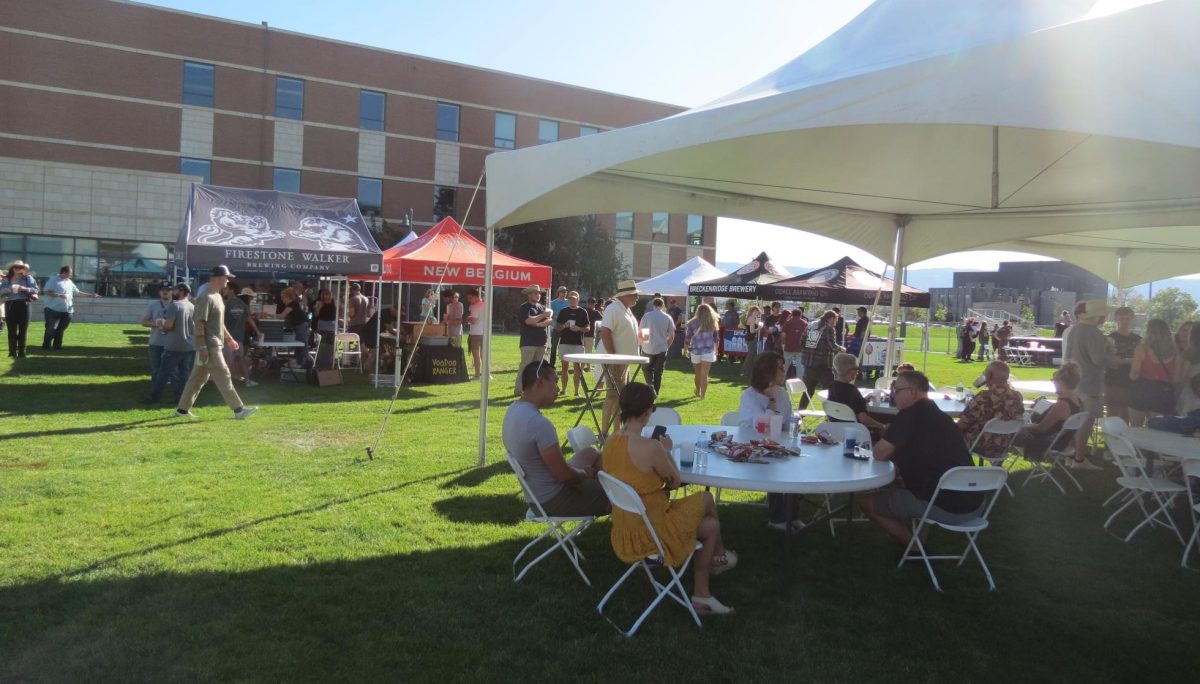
(154, 312)
(177, 326)
(565, 488)
(1084, 344)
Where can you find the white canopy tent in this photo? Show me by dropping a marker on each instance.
(925, 128)
(674, 283)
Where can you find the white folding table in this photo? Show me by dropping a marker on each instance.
(949, 406)
(1165, 443)
(605, 362)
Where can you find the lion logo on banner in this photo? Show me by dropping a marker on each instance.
(230, 228)
(329, 235)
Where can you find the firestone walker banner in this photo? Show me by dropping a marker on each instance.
(281, 232)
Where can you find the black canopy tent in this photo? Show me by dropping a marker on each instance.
(743, 283)
(842, 282)
(270, 232)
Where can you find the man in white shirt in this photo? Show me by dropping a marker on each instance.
(475, 321)
(618, 335)
(60, 293)
(661, 326)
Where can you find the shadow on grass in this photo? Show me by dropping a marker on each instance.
(477, 476)
(164, 421)
(452, 607)
(487, 509)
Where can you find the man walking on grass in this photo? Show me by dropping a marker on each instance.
(210, 337)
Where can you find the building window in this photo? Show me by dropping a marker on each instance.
(113, 268)
(286, 180)
(660, 229)
(506, 130)
(588, 130)
(695, 230)
(547, 131)
(198, 84)
(289, 98)
(370, 193)
(371, 109)
(447, 122)
(625, 225)
(443, 202)
(196, 167)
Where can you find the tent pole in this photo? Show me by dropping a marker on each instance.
(925, 338)
(486, 374)
(397, 367)
(897, 260)
(378, 329)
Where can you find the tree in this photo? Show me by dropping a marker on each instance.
(1131, 298)
(1172, 305)
(941, 313)
(1026, 314)
(582, 253)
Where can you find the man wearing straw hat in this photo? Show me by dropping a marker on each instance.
(535, 321)
(619, 335)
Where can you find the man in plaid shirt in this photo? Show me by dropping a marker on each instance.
(817, 354)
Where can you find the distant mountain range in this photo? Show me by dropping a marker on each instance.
(926, 278)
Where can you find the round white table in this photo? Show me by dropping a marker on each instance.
(1045, 387)
(949, 406)
(1163, 442)
(605, 362)
(819, 469)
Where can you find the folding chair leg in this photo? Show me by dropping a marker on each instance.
(565, 541)
(916, 541)
(661, 590)
(1187, 550)
(1061, 466)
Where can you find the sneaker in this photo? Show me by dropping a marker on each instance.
(245, 412)
(251, 383)
(185, 414)
(1083, 465)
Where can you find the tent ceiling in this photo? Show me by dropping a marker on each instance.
(1000, 123)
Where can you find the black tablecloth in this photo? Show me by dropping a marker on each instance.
(439, 365)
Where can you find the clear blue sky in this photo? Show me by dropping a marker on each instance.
(684, 52)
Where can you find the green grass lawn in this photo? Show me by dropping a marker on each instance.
(151, 549)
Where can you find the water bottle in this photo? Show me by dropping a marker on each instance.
(848, 447)
(958, 389)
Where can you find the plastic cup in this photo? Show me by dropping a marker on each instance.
(645, 333)
(776, 425)
(761, 423)
(687, 454)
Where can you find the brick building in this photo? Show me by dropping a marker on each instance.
(110, 109)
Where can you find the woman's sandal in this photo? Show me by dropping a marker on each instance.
(709, 605)
(724, 563)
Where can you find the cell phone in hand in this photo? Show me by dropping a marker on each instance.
(660, 431)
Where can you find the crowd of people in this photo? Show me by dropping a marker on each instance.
(19, 291)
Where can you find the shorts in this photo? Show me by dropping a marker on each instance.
(474, 342)
(585, 498)
(898, 502)
(564, 349)
(1093, 404)
(710, 357)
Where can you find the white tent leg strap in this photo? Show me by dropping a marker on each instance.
(421, 331)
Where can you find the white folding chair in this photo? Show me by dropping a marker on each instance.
(563, 529)
(581, 437)
(839, 412)
(624, 497)
(347, 345)
(1006, 431)
(1113, 425)
(1191, 480)
(1056, 454)
(665, 415)
(1018, 357)
(981, 480)
(840, 431)
(796, 389)
(1140, 485)
(731, 419)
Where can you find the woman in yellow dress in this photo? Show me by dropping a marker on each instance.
(646, 465)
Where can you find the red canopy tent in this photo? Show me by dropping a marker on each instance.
(448, 250)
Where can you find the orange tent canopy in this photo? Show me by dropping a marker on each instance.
(447, 249)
